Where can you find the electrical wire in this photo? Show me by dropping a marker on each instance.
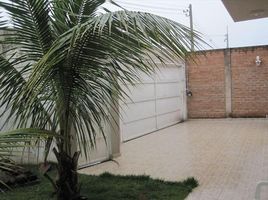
(151, 9)
(156, 11)
(206, 36)
(150, 6)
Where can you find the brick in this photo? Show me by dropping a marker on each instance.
(249, 83)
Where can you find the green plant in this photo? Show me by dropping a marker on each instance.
(111, 187)
(62, 69)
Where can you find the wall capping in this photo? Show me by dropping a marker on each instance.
(243, 49)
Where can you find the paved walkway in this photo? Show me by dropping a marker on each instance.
(227, 156)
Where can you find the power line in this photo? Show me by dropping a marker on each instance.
(189, 13)
(154, 10)
(207, 37)
(154, 4)
(150, 6)
(216, 35)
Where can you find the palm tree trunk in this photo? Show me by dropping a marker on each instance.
(67, 183)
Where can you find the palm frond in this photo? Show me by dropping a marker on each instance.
(30, 27)
(15, 142)
(86, 65)
(29, 132)
(13, 79)
(63, 74)
(5, 185)
(67, 14)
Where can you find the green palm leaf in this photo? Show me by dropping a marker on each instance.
(69, 64)
(31, 30)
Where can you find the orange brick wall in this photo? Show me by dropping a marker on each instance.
(249, 83)
(206, 82)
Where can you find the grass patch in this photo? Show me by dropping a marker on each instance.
(111, 187)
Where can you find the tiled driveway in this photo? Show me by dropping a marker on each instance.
(227, 156)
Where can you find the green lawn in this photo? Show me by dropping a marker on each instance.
(111, 187)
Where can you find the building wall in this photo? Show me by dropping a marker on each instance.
(105, 149)
(206, 82)
(248, 83)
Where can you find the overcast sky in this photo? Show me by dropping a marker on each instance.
(210, 18)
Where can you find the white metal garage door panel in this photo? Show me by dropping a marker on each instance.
(167, 105)
(170, 73)
(168, 119)
(96, 155)
(138, 111)
(102, 150)
(138, 128)
(165, 90)
(155, 104)
(144, 78)
(139, 93)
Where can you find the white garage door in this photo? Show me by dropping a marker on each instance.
(157, 102)
(102, 151)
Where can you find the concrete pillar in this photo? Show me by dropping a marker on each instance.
(115, 137)
(185, 83)
(228, 82)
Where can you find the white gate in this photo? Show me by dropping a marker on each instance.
(157, 102)
(103, 149)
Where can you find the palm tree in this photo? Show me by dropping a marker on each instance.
(62, 67)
